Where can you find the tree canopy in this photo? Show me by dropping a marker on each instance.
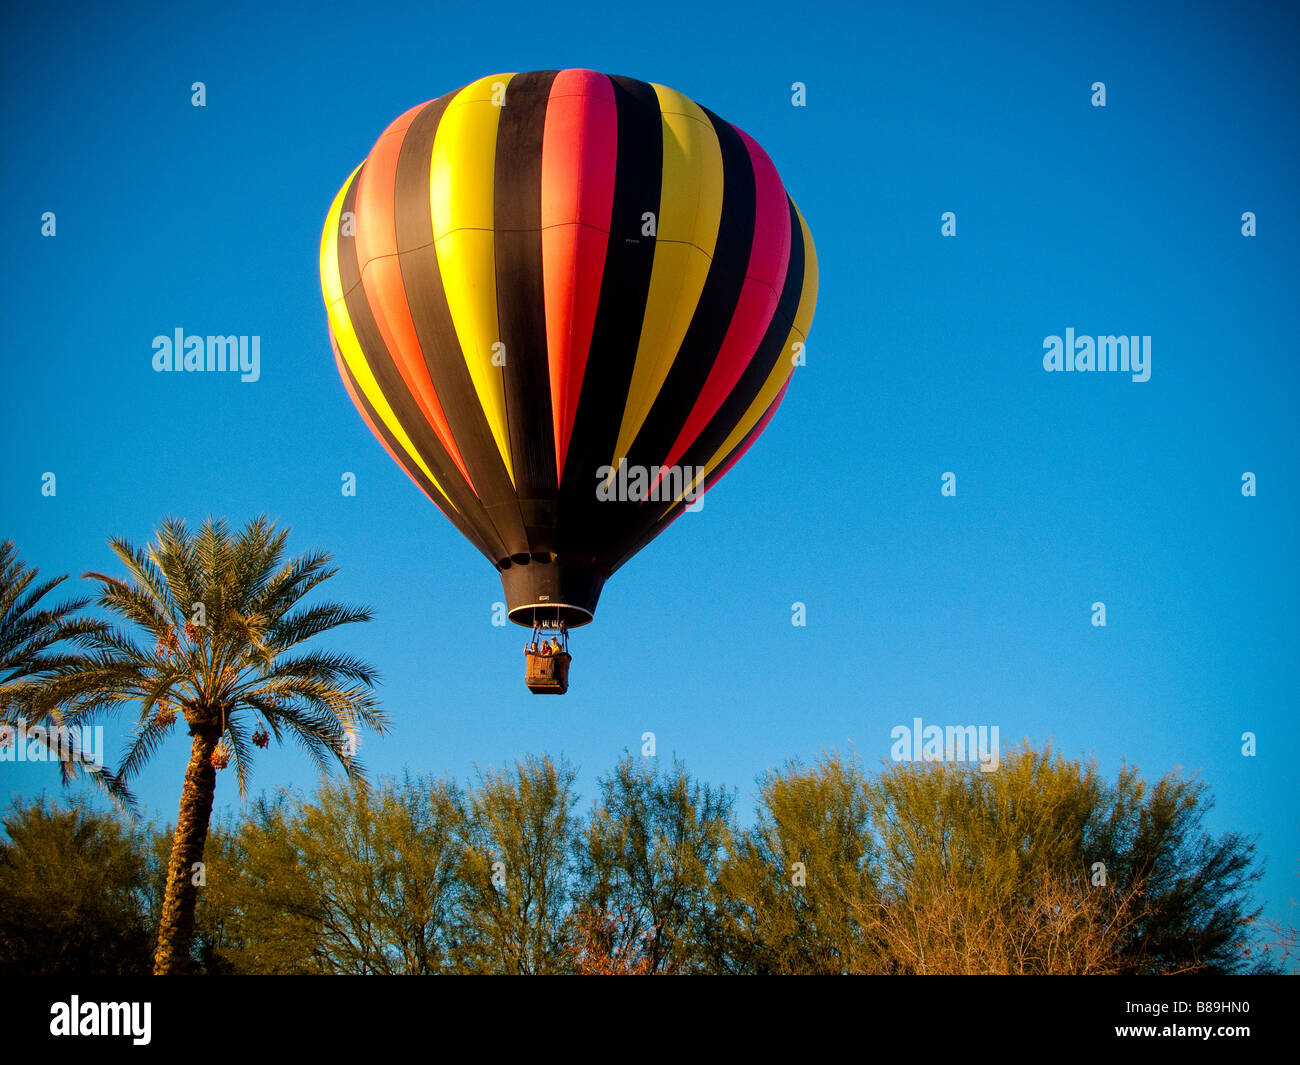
(1043, 866)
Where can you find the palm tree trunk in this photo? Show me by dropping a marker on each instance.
(176, 927)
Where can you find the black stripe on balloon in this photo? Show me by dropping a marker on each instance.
(427, 300)
(772, 348)
(622, 552)
(399, 398)
(708, 328)
(585, 524)
(521, 303)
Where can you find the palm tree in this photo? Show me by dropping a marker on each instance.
(225, 617)
(29, 634)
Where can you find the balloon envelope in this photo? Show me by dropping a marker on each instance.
(566, 303)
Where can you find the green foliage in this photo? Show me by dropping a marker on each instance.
(1195, 887)
(800, 887)
(648, 862)
(991, 831)
(354, 881)
(921, 868)
(988, 855)
(516, 870)
(73, 897)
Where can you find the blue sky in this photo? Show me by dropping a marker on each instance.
(924, 357)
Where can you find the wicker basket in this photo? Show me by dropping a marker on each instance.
(548, 674)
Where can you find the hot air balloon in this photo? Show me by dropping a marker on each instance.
(566, 303)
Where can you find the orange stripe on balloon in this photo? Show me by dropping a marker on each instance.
(769, 259)
(579, 159)
(381, 278)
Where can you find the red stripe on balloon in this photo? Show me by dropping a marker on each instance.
(579, 157)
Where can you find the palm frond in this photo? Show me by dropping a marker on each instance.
(292, 629)
(325, 665)
(144, 571)
(241, 753)
(228, 665)
(31, 656)
(149, 736)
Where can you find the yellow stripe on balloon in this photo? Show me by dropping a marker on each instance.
(461, 190)
(785, 364)
(345, 335)
(690, 211)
